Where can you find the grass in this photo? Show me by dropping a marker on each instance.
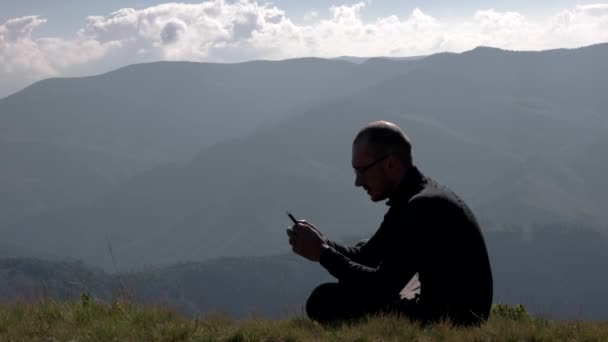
(85, 320)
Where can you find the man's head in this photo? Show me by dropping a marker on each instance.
(381, 156)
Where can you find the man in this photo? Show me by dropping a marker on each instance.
(427, 230)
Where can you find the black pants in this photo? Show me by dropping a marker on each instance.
(333, 302)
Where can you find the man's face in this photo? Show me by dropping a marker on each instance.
(370, 172)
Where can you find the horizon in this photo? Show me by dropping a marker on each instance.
(343, 58)
(38, 41)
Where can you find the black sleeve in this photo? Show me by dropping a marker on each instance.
(399, 263)
(350, 252)
(366, 253)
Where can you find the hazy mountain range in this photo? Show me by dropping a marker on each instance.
(170, 162)
(142, 116)
(530, 268)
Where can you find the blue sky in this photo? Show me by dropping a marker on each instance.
(50, 38)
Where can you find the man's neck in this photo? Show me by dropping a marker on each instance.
(402, 179)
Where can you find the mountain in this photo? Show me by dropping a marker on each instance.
(274, 286)
(542, 191)
(37, 178)
(166, 111)
(479, 122)
(66, 142)
(554, 271)
(359, 60)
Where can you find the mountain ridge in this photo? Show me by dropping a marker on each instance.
(468, 141)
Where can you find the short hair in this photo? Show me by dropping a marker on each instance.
(382, 138)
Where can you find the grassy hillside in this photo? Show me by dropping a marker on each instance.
(86, 320)
(535, 268)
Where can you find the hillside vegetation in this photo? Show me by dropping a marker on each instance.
(90, 321)
(535, 269)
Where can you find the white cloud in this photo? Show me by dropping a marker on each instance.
(585, 24)
(22, 54)
(17, 51)
(18, 27)
(311, 15)
(594, 9)
(492, 21)
(235, 31)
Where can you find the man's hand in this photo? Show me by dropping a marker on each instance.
(306, 240)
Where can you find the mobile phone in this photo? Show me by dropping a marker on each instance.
(291, 217)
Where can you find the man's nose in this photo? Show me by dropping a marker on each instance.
(358, 181)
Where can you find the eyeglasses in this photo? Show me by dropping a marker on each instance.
(360, 171)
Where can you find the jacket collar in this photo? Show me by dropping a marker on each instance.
(411, 184)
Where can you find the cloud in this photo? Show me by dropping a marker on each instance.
(19, 27)
(491, 20)
(172, 31)
(310, 15)
(583, 25)
(593, 9)
(22, 54)
(18, 52)
(222, 31)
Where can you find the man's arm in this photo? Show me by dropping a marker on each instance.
(399, 263)
(368, 253)
(364, 252)
(382, 280)
(307, 241)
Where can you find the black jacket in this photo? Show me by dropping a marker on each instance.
(427, 230)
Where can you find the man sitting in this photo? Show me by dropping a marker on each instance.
(427, 230)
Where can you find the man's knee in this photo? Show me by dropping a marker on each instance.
(321, 300)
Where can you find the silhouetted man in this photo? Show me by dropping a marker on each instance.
(427, 230)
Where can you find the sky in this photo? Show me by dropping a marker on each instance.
(66, 38)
